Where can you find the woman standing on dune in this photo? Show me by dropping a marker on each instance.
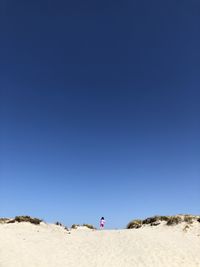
(102, 223)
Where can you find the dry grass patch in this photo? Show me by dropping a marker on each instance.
(170, 220)
(135, 224)
(188, 219)
(25, 219)
(164, 218)
(186, 228)
(173, 220)
(155, 219)
(90, 226)
(4, 220)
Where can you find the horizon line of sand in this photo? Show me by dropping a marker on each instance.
(49, 245)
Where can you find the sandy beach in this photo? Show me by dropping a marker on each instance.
(48, 245)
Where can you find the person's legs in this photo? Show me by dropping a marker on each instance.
(101, 226)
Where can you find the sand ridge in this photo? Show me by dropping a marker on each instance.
(25, 244)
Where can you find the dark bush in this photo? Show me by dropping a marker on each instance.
(58, 223)
(75, 226)
(150, 220)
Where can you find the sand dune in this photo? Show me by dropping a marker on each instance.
(44, 245)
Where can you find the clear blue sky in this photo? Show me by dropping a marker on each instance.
(99, 109)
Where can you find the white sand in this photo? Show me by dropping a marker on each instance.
(28, 245)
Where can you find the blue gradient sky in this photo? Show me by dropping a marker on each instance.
(99, 109)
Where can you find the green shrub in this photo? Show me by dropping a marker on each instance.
(58, 223)
(150, 220)
(75, 226)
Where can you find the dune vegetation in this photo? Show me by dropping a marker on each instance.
(156, 220)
